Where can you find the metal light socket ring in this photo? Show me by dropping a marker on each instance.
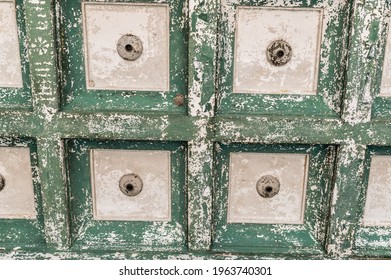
(279, 53)
(129, 47)
(130, 184)
(268, 186)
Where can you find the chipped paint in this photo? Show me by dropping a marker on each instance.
(328, 95)
(272, 237)
(149, 83)
(94, 221)
(346, 114)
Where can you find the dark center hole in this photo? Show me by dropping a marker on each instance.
(268, 189)
(128, 48)
(280, 53)
(129, 187)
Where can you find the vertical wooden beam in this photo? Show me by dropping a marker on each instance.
(54, 191)
(361, 77)
(344, 216)
(201, 101)
(43, 67)
(364, 50)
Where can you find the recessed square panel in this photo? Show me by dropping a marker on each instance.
(126, 46)
(17, 194)
(131, 185)
(385, 89)
(10, 65)
(378, 199)
(277, 50)
(283, 178)
(271, 198)
(127, 194)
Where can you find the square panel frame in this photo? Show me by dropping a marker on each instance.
(74, 93)
(25, 233)
(303, 188)
(130, 154)
(285, 11)
(306, 238)
(371, 240)
(87, 233)
(327, 101)
(381, 105)
(20, 98)
(87, 34)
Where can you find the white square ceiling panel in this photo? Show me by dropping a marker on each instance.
(267, 188)
(16, 185)
(126, 46)
(131, 185)
(10, 66)
(378, 199)
(385, 89)
(277, 50)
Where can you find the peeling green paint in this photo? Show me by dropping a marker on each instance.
(346, 115)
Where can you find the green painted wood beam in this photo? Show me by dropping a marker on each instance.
(201, 103)
(54, 192)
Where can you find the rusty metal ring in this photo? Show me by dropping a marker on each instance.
(279, 53)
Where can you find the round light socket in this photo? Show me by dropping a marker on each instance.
(129, 47)
(268, 186)
(279, 53)
(130, 184)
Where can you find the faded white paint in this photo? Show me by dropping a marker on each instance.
(17, 198)
(153, 203)
(385, 88)
(105, 24)
(377, 211)
(245, 205)
(10, 65)
(256, 28)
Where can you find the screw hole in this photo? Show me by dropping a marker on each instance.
(280, 53)
(269, 189)
(129, 187)
(128, 47)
